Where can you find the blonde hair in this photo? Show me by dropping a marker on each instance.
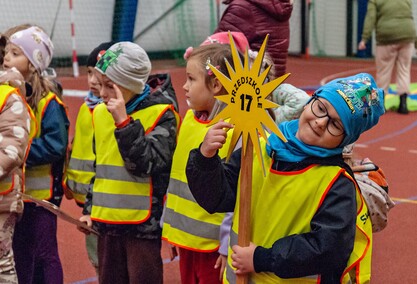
(41, 86)
(16, 29)
(216, 54)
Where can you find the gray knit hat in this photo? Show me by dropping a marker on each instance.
(126, 64)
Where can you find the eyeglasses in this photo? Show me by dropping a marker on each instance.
(334, 127)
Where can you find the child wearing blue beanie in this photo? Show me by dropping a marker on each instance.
(309, 221)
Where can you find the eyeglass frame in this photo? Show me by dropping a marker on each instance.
(335, 122)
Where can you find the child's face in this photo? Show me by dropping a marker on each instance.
(14, 57)
(107, 91)
(198, 96)
(93, 83)
(314, 130)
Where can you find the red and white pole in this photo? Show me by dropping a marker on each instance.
(74, 49)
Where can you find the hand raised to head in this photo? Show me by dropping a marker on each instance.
(116, 106)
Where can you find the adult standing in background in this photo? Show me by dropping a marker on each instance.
(257, 18)
(395, 42)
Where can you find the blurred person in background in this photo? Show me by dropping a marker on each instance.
(255, 19)
(395, 43)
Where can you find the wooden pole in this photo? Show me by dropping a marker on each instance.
(245, 201)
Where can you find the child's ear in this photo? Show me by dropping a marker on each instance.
(32, 68)
(217, 87)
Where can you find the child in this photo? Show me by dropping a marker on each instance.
(370, 178)
(134, 140)
(80, 170)
(301, 231)
(185, 224)
(14, 144)
(35, 243)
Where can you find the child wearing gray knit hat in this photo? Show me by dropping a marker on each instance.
(135, 132)
(126, 64)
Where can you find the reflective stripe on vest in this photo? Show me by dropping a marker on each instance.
(187, 224)
(120, 197)
(38, 179)
(80, 169)
(292, 217)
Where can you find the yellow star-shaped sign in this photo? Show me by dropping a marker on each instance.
(246, 100)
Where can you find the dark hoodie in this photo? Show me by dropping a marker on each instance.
(147, 155)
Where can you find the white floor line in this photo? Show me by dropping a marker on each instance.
(391, 149)
(75, 93)
(361, 145)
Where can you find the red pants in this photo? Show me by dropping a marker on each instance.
(198, 267)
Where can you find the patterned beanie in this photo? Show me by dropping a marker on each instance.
(357, 100)
(126, 64)
(36, 45)
(97, 53)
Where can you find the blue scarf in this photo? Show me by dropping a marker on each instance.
(295, 150)
(135, 101)
(92, 101)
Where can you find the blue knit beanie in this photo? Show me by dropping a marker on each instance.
(357, 100)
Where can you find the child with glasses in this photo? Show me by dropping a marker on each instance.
(370, 177)
(319, 109)
(309, 222)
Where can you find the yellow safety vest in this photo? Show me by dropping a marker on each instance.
(187, 224)
(39, 179)
(80, 170)
(274, 216)
(118, 196)
(7, 183)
